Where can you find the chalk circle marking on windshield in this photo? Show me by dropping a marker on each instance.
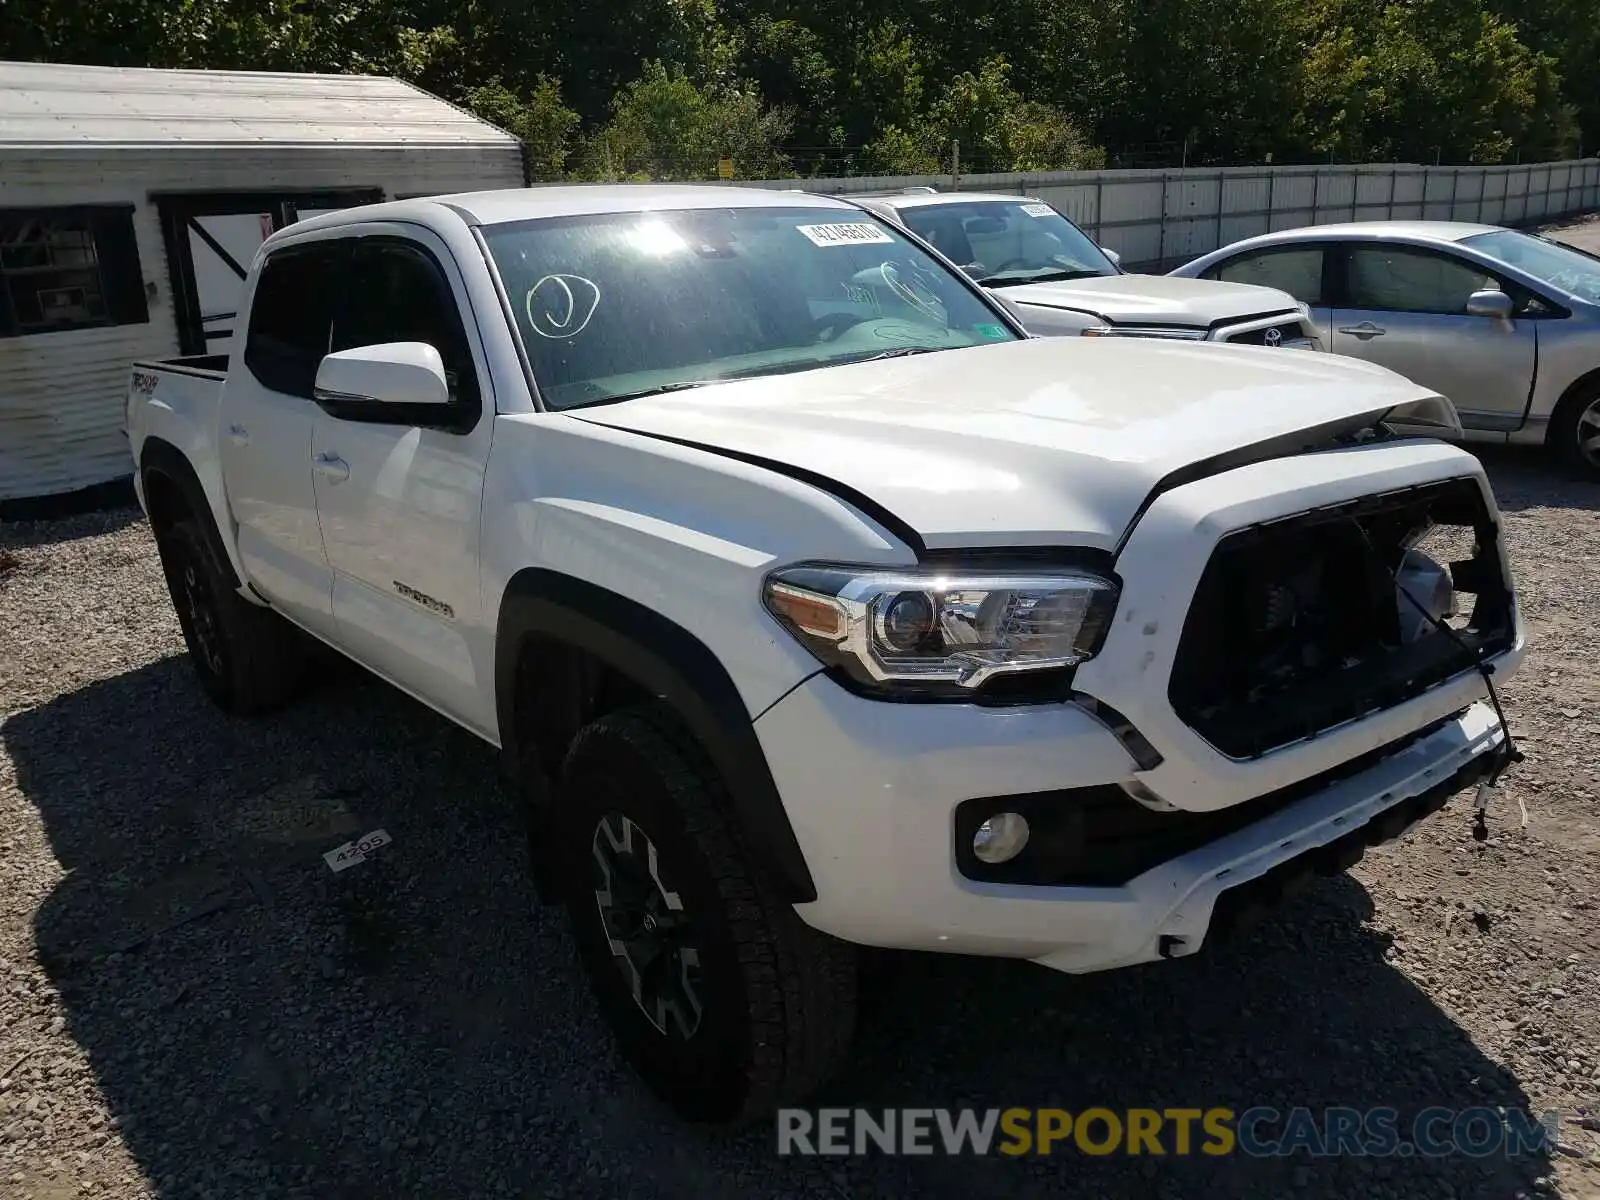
(906, 291)
(569, 303)
(846, 234)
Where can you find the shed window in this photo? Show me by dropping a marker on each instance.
(68, 268)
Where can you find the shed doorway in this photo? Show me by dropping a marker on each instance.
(210, 240)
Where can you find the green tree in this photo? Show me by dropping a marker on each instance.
(540, 119)
(664, 126)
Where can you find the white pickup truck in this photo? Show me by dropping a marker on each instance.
(812, 603)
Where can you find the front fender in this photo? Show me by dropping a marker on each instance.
(667, 661)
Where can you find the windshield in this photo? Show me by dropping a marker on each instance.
(618, 305)
(1560, 266)
(1000, 242)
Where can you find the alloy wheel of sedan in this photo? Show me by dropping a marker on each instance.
(1588, 435)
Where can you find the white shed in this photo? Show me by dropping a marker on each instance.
(131, 204)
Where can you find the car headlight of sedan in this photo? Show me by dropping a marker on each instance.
(942, 632)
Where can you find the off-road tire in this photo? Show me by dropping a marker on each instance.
(779, 998)
(248, 658)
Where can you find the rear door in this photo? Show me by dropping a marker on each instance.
(267, 417)
(399, 503)
(1300, 268)
(1405, 308)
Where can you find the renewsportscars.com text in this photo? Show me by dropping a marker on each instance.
(1259, 1132)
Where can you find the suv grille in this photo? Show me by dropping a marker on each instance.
(1290, 331)
(1296, 625)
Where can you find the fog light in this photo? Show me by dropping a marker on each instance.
(1001, 838)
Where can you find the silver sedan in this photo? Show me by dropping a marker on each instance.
(1504, 323)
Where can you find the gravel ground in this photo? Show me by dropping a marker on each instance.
(192, 1004)
(1582, 232)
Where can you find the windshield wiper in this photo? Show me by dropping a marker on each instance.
(682, 385)
(1046, 277)
(660, 389)
(896, 352)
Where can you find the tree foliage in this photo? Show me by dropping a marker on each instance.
(667, 88)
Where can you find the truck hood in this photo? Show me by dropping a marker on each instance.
(1048, 441)
(1155, 299)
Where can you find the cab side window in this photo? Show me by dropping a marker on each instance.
(1297, 270)
(398, 293)
(291, 314)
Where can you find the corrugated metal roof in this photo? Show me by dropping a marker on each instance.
(59, 104)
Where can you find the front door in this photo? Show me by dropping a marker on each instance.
(266, 426)
(1405, 308)
(399, 504)
(210, 240)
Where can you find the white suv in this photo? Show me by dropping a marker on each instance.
(1061, 283)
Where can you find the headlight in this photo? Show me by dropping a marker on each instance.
(942, 632)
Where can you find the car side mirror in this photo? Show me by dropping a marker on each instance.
(1493, 304)
(1116, 259)
(408, 373)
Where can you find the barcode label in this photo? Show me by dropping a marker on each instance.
(1038, 210)
(844, 235)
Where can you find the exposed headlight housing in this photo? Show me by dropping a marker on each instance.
(936, 633)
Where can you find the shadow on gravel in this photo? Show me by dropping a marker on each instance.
(413, 1025)
(19, 533)
(1530, 477)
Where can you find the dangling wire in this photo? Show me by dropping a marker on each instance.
(1509, 753)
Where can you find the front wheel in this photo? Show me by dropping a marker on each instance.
(1575, 431)
(721, 998)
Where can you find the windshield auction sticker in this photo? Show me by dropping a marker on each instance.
(844, 235)
(1038, 210)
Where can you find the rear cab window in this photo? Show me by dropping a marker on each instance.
(291, 315)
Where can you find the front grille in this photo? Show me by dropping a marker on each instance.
(1290, 331)
(1297, 627)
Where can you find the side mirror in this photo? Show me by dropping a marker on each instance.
(1116, 259)
(1490, 304)
(409, 373)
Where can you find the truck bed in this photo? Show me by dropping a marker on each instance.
(204, 365)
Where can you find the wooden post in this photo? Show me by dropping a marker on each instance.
(955, 164)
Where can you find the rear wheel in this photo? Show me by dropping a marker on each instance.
(721, 998)
(1575, 430)
(248, 659)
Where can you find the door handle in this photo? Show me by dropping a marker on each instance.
(238, 435)
(331, 467)
(1364, 330)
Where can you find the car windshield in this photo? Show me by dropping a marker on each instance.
(619, 305)
(1004, 242)
(1560, 266)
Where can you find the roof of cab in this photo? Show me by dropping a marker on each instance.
(573, 200)
(521, 204)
